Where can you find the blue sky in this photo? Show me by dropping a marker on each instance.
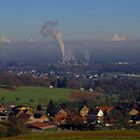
(78, 19)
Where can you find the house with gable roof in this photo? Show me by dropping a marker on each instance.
(135, 116)
(83, 111)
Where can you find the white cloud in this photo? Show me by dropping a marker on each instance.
(117, 37)
(31, 40)
(4, 40)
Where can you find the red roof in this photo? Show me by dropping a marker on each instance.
(41, 125)
(105, 108)
(23, 116)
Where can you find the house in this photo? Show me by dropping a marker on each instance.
(32, 119)
(96, 114)
(99, 112)
(92, 119)
(100, 115)
(2, 108)
(106, 111)
(22, 115)
(134, 112)
(24, 112)
(3, 116)
(83, 111)
(60, 116)
(22, 108)
(135, 116)
(105, 108)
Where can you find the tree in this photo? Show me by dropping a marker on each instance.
(31, 100)
(51, 109)
(39, 107)
(13, 127)
(121, 117)
(3, 99)
(17, 98)
(3, 130)
(9, 81)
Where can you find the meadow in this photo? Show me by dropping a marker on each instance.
(33, 95)
(82, 135)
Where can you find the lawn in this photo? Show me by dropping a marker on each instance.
(32, 95)
(82, 135)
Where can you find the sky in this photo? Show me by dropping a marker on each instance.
(78, 19)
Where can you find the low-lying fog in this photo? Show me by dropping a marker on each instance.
(49, 52)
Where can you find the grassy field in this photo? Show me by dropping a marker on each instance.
(32, 95)
(87, 135)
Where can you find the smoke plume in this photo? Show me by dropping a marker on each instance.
(49, 30)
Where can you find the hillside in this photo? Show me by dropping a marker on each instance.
(32, 95)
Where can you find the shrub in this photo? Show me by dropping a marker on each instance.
(13, 127)
(16, 127)
(3, 130)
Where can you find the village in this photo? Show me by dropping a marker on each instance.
(122, 116)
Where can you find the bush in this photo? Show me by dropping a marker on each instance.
(3, 130)
(13, 127)
(16, 127)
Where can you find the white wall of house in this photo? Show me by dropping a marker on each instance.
(100, 113)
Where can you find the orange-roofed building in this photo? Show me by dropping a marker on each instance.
(105, 108)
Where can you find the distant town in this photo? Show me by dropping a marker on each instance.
(74, 69)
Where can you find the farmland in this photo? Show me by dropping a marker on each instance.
(32, 95)
(89, 135)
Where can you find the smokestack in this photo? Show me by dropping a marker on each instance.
(49, 30)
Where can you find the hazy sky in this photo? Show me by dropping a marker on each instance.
(78, 19)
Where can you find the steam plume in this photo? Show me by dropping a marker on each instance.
(87, 56)
(30, 40)
(117, 37)
(69, 56)
(49, 30)
(4, 40)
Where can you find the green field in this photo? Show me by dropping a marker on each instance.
(32, 95)
(82, 135)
